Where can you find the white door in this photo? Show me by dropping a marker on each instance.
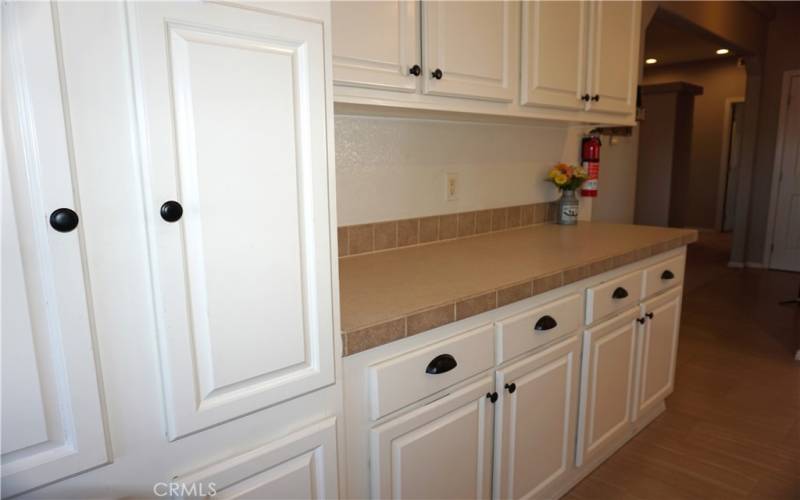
(301, 465)
(614, 56)
(607, 384)
(467, 49)
(442, 450)
(52, 416)
(786, 236)
(376, 44)
(232, 117)
(657, 350)
(554, 54)
(536, 419)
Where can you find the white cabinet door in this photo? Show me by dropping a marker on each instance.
(442, 450)
(658, 349)
(536, 419)
(607, 378)
(375, 44)
(301, 465)
(232, 126)
(614, 55)
(52, 417)
(554, 54)
(471, 44)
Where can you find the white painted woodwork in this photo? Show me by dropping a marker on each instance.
(657, 350)
(301, 465)
(536, 424)
(52, 413)
(607, 385)
(553, 54)
(614, 56)
(375, 44)
(600, 301)
(403, 380)
(653, 281)
(441, 450)
(471, 43)
(232, 124)
(517, 334)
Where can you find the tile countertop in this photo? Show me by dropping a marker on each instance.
(390, 295)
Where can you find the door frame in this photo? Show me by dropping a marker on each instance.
(769, 237)
(724, 160)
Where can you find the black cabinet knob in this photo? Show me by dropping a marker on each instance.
(545, 323)
(64, 220)
(492, 396)
(596, 97)
(441, 364)
(511, 387)
(619, 293)
(650, 315)
(415, 70)
(585, 97)
(171, 211)
(667, 275)
(640, 320)
(437, 73)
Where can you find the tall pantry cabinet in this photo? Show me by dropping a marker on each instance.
(170, 295)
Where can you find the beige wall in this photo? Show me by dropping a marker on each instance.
(720, 80)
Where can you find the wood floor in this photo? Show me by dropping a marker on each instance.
(732, 426)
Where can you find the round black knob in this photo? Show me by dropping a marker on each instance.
(641, 320)
(596, 97)
(64, 220)
(415, 70)
(585, 97)
(650, 315)
(511, 387)
(171, 211)
(492, 396)
(437, 73)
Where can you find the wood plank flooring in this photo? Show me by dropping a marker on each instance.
(732, 426)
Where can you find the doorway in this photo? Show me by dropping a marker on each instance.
(731, 147)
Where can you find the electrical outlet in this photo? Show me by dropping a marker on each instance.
(451, 187)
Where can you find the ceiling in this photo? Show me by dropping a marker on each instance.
(671, 43)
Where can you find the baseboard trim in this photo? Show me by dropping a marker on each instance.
(754, 265)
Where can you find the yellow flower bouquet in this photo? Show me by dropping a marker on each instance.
(567, 177)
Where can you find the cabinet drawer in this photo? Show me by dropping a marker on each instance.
(537, 327)
(612, 296)
(663, 275)
(400, 381)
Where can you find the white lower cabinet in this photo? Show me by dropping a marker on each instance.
(536, 422)
(441, 450)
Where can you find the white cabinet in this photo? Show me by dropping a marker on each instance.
(535, 422)
(607, 385)
(467, 49)
(52, 413)
(441, 450)
(233, 127)
(376, 44)
(657, 350)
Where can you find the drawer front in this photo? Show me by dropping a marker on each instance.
(400, 381)
(612, 296)
(539, 326)
(663, 275)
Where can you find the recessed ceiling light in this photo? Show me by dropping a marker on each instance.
(650, 60)
(722, 52)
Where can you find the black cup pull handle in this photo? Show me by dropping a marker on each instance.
(171, 211)
(619, 293)
(64, 220)
(667, 275)
(545, 323)
(441, 364)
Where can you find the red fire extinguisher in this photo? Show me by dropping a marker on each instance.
(590, 159)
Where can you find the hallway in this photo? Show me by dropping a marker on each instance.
(732, 426)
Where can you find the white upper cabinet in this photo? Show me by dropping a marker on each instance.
(52, 415)
(467, 49)
(233, 127)
(553, 72)
(614, 49)
(377, 44)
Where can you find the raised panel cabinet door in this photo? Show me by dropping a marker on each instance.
(232, 126)
(614, 56)
(658, 350)
(376, 44)
(441, 450)
(607, 384)
(52, 415)
(471, 44)
(554, 54)
(536, 422)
